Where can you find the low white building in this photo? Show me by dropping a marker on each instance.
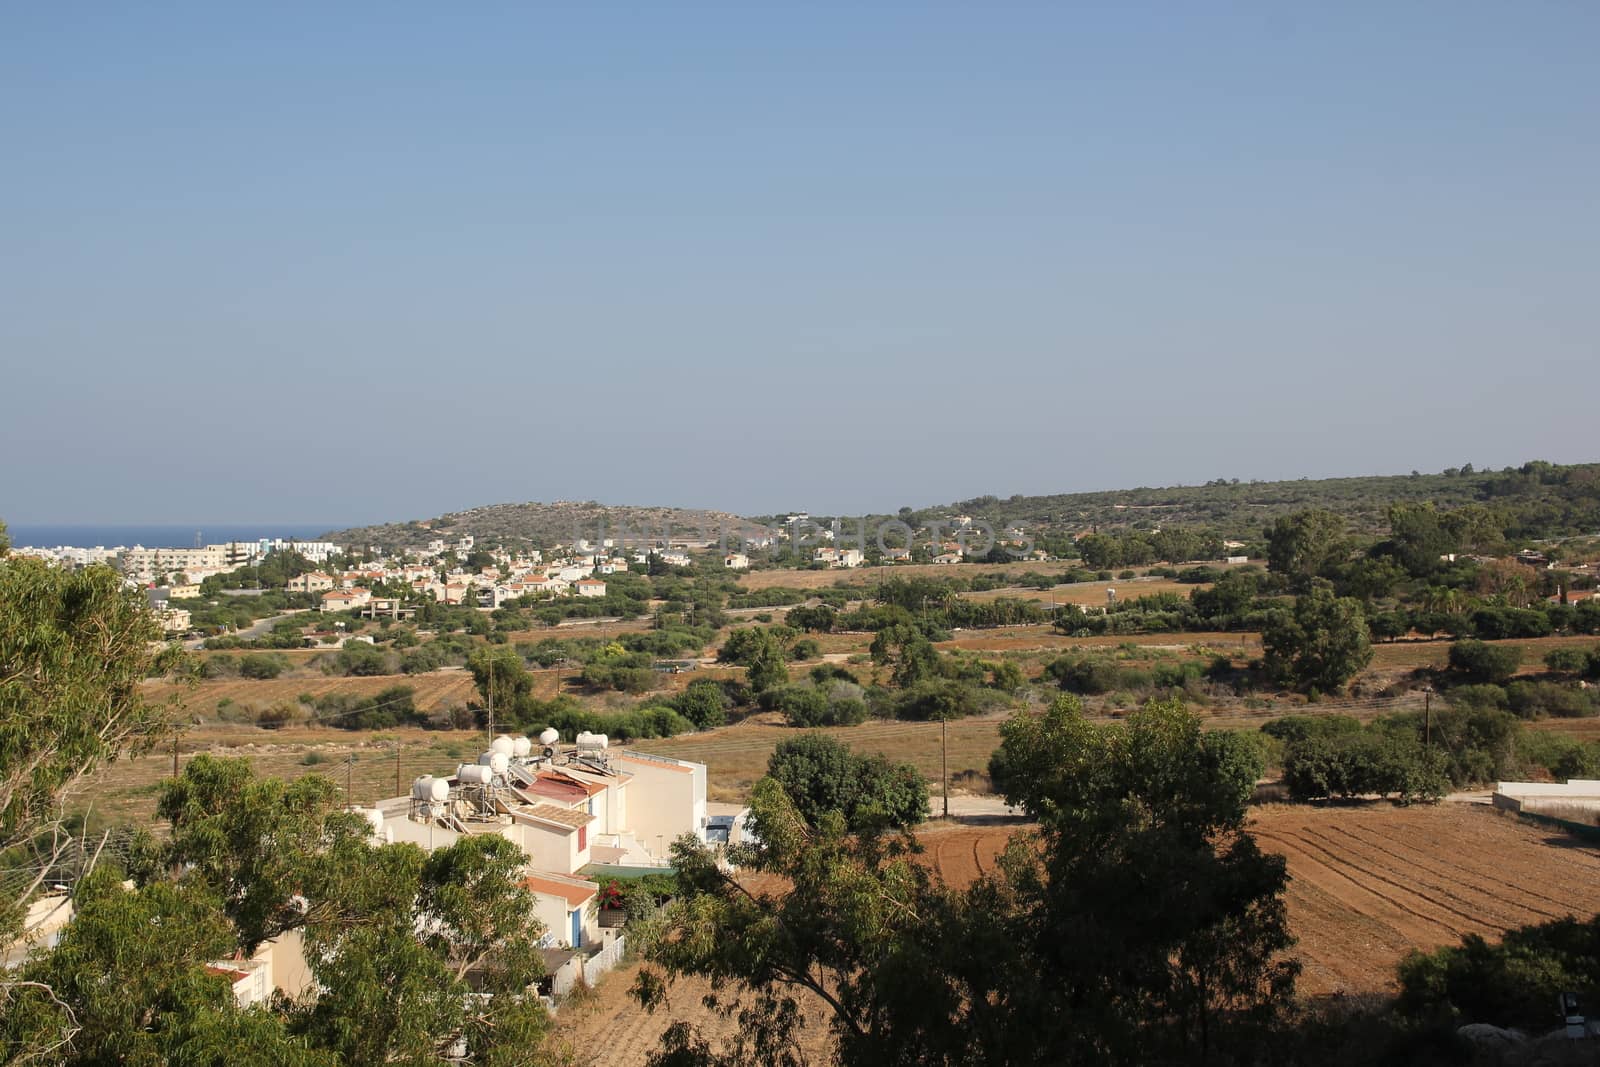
(565, 811)
(1575, 797)
(562, 905)
(667, 799)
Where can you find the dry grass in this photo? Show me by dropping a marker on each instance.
(1435, 654)
(1581, 729)
(1090, 594)
(869, 576)
(735, 756)
(433, 691)
(1042, 637)
(126, 791)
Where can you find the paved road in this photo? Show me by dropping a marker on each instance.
(968, 806)
(259, 628)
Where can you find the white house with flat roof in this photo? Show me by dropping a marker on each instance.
(565, 807)
(666, 799)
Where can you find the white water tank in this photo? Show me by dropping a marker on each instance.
(549, 736)
(495, 761)
(439, 791)
(422, 788)
(375, 818)
(521, 746)
(503, 743)
(474, 774)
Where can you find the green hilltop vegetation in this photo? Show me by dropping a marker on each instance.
(1544, 499)
(1555, 499)
(540, 524)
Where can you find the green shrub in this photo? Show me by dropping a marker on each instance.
(822, 776)
(1177, 675)
(1293, 728)
(1511, 983)
(361, 660)
(565, 715)
(262, 665)
(1478, 696)
(393, 706)
(1558, 755)
(1567, 660)
(219, 667)
(1483, 662)
(1531, 700)
(422, 659)
(809, 706)
(704, 703)
(1355, 764)
(1087, 675)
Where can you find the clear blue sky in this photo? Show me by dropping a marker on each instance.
(378, 261)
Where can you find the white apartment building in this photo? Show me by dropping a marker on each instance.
(147, 564)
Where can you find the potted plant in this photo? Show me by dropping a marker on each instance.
(613, 911)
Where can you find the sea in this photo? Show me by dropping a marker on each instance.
(111, 535)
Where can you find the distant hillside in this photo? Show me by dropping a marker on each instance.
(1553, 499)
(1547, 499)
(1558, 499)
(545, 524)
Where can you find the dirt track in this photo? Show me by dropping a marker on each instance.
(961, 853)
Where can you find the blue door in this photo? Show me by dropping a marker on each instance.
(577, 929)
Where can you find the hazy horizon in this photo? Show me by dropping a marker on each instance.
(381, 264)
(312, 527)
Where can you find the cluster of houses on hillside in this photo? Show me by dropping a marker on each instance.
(194, 564)
(579, 813)
(509, 577)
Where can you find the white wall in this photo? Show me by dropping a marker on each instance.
(665, 802)
(290, 973)
(549, 848)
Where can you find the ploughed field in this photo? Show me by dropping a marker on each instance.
(1367, 884)
(609, 1027)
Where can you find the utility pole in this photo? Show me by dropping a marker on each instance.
(174, 755)
(944, 760)
(1427, 717)
(349, 765)
(397, 768)
(490, 665)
